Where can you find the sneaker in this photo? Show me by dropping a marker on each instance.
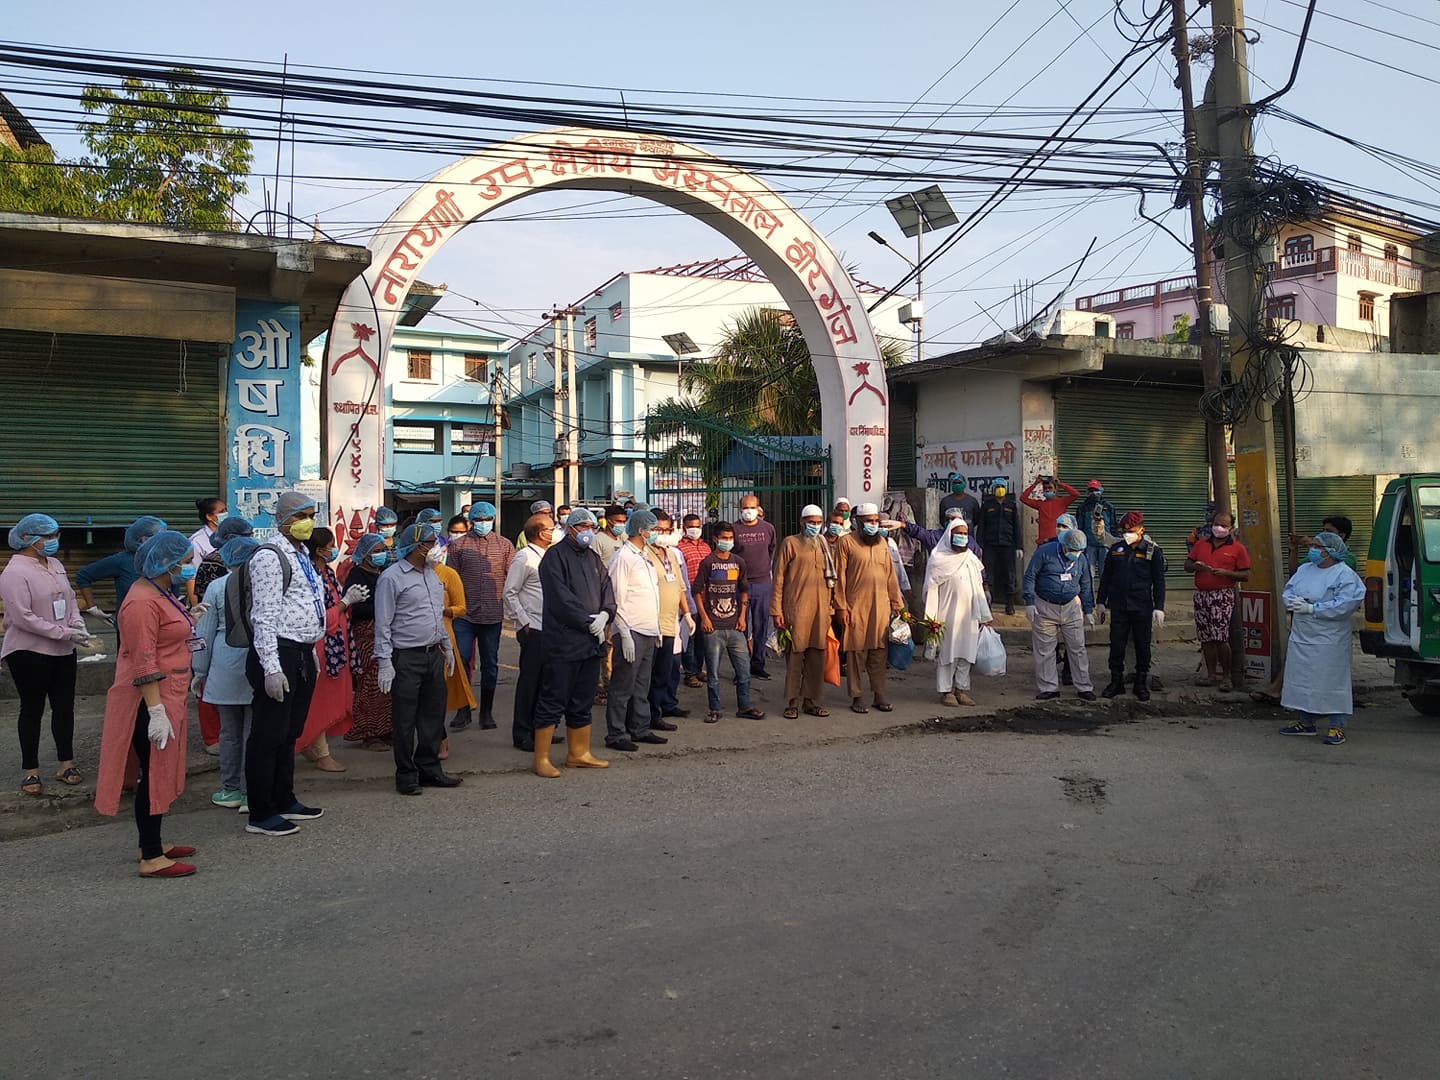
(1334, 737)
(244, 807)
(1298, 728)
(227, 799)
(301, 812)
(274, 826)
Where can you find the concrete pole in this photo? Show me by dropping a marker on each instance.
(497, 406)
(1255, 461)
(557, 369)
(572, 414)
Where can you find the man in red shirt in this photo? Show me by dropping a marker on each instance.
(693, 550)
(1049, 498)
(1218, 561)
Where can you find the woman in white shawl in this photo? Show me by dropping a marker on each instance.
(955, 595)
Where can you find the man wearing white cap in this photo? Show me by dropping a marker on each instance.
(539, 506)
(801, 603)
(867, 596)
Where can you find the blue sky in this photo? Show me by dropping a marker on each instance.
(838, 50)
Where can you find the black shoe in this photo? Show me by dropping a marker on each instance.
(1115, 689)
(526, 746)
(1142, 692)
(1009, 609)
(664, 725)
(682, 713)
(760, 675)
(412, 789)
(462, 719)
(652, 739)
(620, 744)
(1048, 695)
(1086, 695)
(442, 779)
(301, 812)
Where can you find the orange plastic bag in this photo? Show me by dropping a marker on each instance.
(832, 658)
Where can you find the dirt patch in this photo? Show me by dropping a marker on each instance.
(1088, 790)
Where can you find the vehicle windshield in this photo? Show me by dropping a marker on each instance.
(1428, 499)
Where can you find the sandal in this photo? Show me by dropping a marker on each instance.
(69, 776)
(815, 710)
(884, 706)
(1260, 697)
(712, 718)
(855, 706)
(30, 784)
(751, 713)
(791, 713)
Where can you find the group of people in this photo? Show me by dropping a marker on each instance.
(287, 643)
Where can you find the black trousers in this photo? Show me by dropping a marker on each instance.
(568, 692)
(146, 823)
(274, 727)
(39, 676)
(1000, 569)
(665, 660)
(1128, 626)
(417, 713)
(533, 669)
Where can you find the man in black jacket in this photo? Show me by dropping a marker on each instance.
(1000, 536)
(1132, 585)
(579, 604)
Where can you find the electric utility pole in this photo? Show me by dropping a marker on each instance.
(1255, 462)
(497, 406)
(572, 413)
(557, 368)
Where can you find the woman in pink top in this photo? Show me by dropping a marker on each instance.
(42, 624)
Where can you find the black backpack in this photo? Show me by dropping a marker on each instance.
(238, 631)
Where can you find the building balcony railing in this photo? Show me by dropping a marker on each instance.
(1399, 275)
(1152, 294)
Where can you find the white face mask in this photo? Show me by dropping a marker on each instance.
(435, 555)
(666, 540)
(749, 514)
(1132, 538)
(692, 533)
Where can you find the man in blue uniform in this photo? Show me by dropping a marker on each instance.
(1132, 586)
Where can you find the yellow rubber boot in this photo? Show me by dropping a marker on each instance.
(542, 766)
(578, 744)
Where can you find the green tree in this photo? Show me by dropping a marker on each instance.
(33, 181)
(162, 154)
(1180, 332)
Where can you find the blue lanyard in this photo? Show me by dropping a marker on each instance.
(175, 604)
(309, 569)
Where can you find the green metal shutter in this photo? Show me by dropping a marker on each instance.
(1324, 496)
(1147, 446)
(902, 436)
(98, 430)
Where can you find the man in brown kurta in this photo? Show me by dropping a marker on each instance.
(801, 603)
(867, 596)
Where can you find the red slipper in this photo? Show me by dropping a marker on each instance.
(179, 869)
(180, 851)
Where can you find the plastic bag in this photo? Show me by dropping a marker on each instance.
(772, 643)
(990, 655)
(900, 632)
(900, 653)
(832, 659)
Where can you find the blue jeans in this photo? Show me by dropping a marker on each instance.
(1095, 556)
(1321, 720)
(234, 730)
(757, 625)
(693, 658)
(487, 635)
(732, 643)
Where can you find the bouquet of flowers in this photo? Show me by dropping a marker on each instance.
(927, 631)
(780, 641)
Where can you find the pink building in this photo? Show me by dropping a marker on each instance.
(1338, 273)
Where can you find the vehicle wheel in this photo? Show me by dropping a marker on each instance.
(1426, 704)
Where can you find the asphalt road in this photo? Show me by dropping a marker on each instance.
(1171, 898)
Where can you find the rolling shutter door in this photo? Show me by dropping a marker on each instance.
(98, 430)
(902, 437)
(1324, 496)
(1147, 446)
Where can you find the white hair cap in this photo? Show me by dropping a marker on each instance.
(866, 509)
(812, 511)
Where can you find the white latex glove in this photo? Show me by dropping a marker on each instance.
(387, 676)
(355, 594)
(277, 686)
(1090, 619)
(1031, 613)
(627, 646)
(890, 523)
(597, 625)
(449, 664)
(97, 612)
(689, 623)
(79, 635)
(199, 610)
(159, 732)
(1159, 618)
(1300, 607)
(197, 686)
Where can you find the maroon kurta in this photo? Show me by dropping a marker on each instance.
(154, 639)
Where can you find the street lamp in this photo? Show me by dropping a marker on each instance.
(916, 214)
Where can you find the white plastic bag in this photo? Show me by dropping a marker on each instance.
(772, 643)
(899, 631)
(990, 656)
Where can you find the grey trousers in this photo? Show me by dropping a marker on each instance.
(627, 709)
(234, 730)
(1053, 621)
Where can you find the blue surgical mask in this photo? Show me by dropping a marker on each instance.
(386, 531)
(380, 558)
(836, 529)
(871, 529)
(724, 545)
(651, 536)
(1315, 555)
(584, 537)
(186, 572)
(334, 554)
(483, 528)
(812, 529)
(1072, 555)
(1100, 491)
(959, 540)
(618, 529)
(51, 546)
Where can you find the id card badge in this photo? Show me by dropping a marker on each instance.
(197, 644)
(1064, 577)
(59, 607)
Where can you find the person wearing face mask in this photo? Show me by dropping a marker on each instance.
(525, 604)
(867, 597)
(999, 530)
(578, 602)
(1049, 498)
(459, 694)
(1060, 603)
(677, 622)
(1096, 518)
(803, 603)
(843, 512)
(955, 594)
(694, 550)
(755, 543)
(43, 624)
(482, 560)
(387, 521)
(286, 622)
(636, 638)
(960, 499)
(1132, 587)
(539, 506)
(120, 567)
(209, 511)
(213, 567)
(612, 533)
(332, 704)
(372, 727)
(1219, 562)
(145, 707)
(1320, 596)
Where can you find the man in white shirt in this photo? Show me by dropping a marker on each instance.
(287, 618)
(637, 636)
(525, 604)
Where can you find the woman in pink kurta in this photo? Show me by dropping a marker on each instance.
(332, 705)
(145, 708)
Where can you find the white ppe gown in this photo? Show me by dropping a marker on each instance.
(1317, 664)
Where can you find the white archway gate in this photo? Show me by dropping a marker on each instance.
(818, 290)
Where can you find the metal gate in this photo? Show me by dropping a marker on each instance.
(695, 467)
